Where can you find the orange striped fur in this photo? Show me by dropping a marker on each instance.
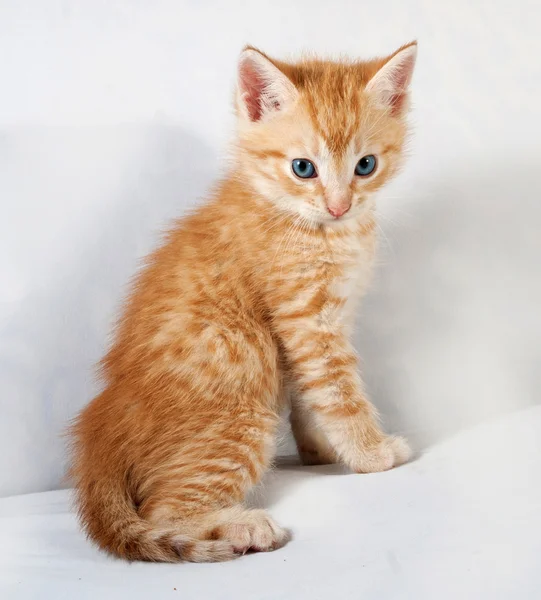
(248, 305)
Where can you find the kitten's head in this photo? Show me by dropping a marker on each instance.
(318, 138)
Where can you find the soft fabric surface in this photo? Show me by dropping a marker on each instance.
(461, 521)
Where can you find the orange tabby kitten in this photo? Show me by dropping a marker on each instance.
(248, 305)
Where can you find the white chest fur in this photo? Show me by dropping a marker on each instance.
(356, 255)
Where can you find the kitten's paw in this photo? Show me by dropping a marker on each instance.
(391, 452)
(255, 530)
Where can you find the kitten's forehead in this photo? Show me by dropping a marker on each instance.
(332, 94)
(334, 165)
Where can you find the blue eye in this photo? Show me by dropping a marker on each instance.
(366, 166)
(303, 168)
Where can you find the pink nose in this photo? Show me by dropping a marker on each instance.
(338, 211)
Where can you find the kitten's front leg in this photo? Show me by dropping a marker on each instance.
(330, 392)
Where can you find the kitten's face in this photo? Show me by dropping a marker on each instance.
(320, 138)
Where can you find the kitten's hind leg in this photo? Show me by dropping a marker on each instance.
(312, 444)
(199, 491)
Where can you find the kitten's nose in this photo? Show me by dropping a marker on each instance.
(338, 210)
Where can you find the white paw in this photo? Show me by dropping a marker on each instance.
(255, 531)
(389, 453)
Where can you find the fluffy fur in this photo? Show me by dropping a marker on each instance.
(248, 305)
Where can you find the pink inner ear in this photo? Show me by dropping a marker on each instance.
(401, 78)
(397, 103)
(403, 73)
(253, 86)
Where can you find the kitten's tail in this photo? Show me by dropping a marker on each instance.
(111, 520)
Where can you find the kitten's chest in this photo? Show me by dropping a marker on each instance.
(351, 280)
(321, 280)
(349, 267)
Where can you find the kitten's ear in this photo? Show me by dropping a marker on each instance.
(389, 86)
(263, 90)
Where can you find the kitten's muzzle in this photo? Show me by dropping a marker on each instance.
(339, 210)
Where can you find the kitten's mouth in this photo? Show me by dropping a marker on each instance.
(332, 220)
(327, 219)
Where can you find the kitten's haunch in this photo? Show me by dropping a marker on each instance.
(248, 306)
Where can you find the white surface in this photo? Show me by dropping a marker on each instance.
(111, 118)
(463, 521)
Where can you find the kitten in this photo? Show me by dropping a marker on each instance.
(250, 300)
